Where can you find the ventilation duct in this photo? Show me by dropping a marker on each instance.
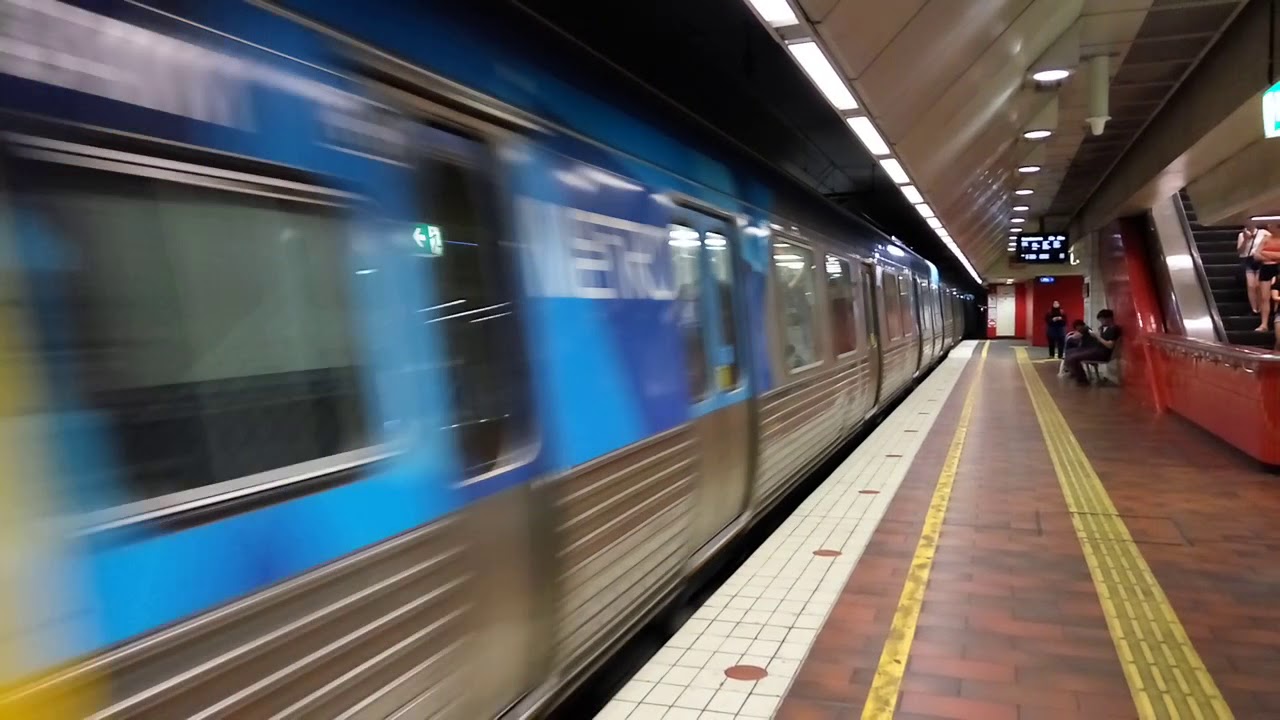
(1099, 93)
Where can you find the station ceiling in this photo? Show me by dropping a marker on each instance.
(946, 82)
(949, 85)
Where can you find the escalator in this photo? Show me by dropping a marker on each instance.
(1216, 247)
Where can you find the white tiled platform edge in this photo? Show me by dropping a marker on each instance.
(768, 613)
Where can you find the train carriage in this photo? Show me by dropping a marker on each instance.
(388, 378)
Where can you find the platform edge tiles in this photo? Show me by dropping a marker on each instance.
(766, 616)
(1165, 674)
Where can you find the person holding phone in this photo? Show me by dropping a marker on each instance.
(1056, 330)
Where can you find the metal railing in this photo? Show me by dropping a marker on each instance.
(1219, 329)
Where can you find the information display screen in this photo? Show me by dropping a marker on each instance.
(1042, 249)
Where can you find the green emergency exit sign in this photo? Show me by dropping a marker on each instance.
(429, 238)
(1271, 111)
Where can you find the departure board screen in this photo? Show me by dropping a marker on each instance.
(1042, 249)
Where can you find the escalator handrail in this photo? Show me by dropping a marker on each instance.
(1219, 329)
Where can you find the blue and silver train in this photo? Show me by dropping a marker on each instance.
(384, 371)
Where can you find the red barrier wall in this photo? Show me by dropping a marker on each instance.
(1126, 273)
(1228, 390)
(1066, 289)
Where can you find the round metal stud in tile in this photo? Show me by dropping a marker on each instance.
(827, 553)
(748, 673)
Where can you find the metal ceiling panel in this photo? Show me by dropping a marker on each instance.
(989, 92)
(935, 51)
(861, 30)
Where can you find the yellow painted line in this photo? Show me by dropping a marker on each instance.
(883, 697)
(1166, 676)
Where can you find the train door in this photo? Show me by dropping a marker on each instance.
(706, 259)
(919, 315)
(871, 323)
(948, 319)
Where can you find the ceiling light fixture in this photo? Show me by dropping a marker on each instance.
(913, 195)
(777, 13)
(1017, 221)
(1037, 134)
(1015, 230)
(869, 136)
(1023, 191)
(934, 223)
(925, 210)
(1021, 208)
(1047, 76)
(894, 169)
(1027, 169)
(815, 64)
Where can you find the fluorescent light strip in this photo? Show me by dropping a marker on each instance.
(870, 137)
(925, 210)
(777, 13)
(815, 64)
(895, 171)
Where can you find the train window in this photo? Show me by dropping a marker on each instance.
(205, 334)
(685, 243)
(720, 258)
(793, 267)
(474, 303)
(906, 307)
(892, 306)
(843, 302)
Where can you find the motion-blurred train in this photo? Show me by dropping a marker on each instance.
(355, 363)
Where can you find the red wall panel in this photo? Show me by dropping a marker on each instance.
(1024, 310)
(1126, 274)
(1066, 289)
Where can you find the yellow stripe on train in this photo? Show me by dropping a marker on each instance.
(24, 542)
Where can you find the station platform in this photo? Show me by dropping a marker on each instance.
(1005, 545)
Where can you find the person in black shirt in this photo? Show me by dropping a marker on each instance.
(1095, 346)
(1056, 330)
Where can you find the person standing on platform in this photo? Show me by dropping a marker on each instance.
(1056, 330)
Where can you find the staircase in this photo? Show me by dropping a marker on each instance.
(1217, 248)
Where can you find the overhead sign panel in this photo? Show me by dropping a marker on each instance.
(1042, 249)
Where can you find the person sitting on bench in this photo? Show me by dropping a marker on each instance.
(1094, 346)
(1079, 329)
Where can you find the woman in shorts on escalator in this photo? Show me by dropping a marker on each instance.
(1267, 253)
(1246, 244)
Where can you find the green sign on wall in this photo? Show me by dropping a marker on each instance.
(1271, 111)
(429, 238)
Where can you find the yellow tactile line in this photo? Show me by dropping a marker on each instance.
(883, 697)
(1165, 674)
